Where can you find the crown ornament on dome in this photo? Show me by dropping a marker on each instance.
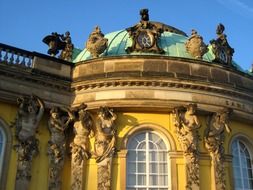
(96, 43)
(145, 35)
(221, 49)
(195, 45)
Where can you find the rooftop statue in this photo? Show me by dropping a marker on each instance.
(96, 43)
(57, 42)
(145, 35)
(221, 48)
(66, 53)
(195, 45)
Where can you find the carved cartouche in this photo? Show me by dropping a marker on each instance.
(195, 45)
(96, 43)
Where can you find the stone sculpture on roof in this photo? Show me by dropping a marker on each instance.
(221, 48)
(195, 45)
(96, 43)
(145, 35)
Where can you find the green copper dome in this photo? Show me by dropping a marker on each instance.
(172, 43)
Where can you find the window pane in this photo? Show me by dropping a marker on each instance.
(131, 180)
(131, 155)
(141, 180)
(163, 168)
(141, 156)
(131, 167)
(141, 167)
(132, 144)
(153, 180)
(153, 156)
(163, 180)
(153, 168)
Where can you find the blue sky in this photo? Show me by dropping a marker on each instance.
(24, 23)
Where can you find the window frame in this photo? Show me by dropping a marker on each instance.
(248, 143)
(147, 172)
(7, 147)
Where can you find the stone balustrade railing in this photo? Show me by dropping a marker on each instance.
(16, 56)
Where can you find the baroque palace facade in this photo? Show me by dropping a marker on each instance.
(144, 108)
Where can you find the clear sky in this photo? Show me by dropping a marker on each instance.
(24, 23)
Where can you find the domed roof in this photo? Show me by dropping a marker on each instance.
(173, 44)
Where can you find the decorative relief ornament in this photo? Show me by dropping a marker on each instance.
(221, 48)
(145, 35)
(195, 45)
(96, 43)
(214, 137)
(187, 125)
(29, 114)
(58, 122)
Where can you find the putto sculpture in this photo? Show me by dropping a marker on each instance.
(59, 42)
(145, 35)
(214, 138)
(187, 125)
(221, 48)
(96, 43)
(30, 112)
(195, 45)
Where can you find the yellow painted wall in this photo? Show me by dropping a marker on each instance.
(125, 123)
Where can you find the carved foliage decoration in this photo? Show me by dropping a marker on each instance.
(26, 123)
(221, 48)
(96, 43)
(80, 146)
(217, 125)
(195, 45)
(187, 125)
(145, 35)
(57, 124)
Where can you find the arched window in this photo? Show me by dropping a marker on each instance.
(5, 150)
(147, 162)
(242, 166)
(2, 147)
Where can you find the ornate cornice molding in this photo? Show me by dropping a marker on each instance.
(224, 90)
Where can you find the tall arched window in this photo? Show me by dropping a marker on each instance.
(147, 162)
(242, 166)
(2, 147)
(5, 150)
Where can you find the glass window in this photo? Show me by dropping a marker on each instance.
(147, 162)
(242, 166)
